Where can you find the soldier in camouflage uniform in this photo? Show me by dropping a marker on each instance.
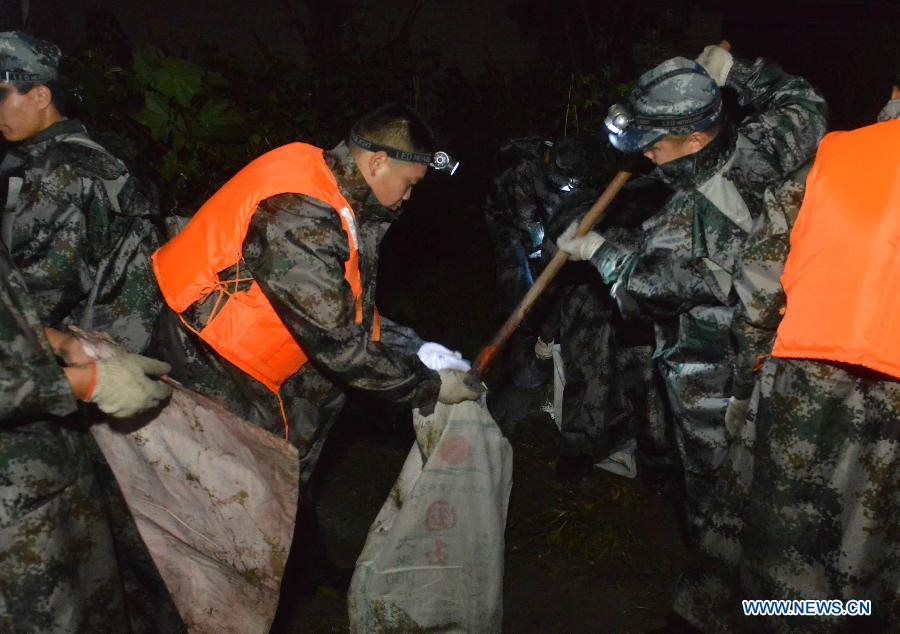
(77, 225)
(295, 248)
(539, 183)
(539, 191)
(79, 229)
(808, 503)
(536, 179)
(707, 271)
(56, 549)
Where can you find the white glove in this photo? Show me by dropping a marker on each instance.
(543, 351)
(437, 357)
(735, 414)
(457, 387)
(122, 386)
(717, 63)
(579, 248)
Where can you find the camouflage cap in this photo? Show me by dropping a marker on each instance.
(676, 97)
(567, 164)
(567, 157)
(27, 59)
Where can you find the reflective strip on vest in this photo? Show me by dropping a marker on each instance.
(246, 330)
(842, 276)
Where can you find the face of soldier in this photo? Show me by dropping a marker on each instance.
(392, 181)
(23, 115)
(671, 148)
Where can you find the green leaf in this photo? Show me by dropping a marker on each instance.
(145, 64)
(169, 168)
(178, 79)
(217, 119)
(156, 116)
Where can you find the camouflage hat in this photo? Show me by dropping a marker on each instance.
(567, 164)
(27, 59)
(676, 97)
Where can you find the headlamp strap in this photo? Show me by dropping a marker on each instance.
(394, 153)
(669, 121)
(677, 122)
(16, 75)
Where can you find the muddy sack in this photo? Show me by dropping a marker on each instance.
(214, 498)
(433, 559)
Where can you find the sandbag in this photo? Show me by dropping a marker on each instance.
(433, 559)
(214, 498)
(559, 384)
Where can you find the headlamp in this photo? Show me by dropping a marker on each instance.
(440, 161)
(443, 162)
(618, 119)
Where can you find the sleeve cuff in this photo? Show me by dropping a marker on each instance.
(609, 259)
(739, 75)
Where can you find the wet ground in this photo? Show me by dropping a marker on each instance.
(603, 557)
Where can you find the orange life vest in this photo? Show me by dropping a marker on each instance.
(245, 329)
(842, 276)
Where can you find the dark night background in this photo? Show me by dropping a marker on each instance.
(190, 91)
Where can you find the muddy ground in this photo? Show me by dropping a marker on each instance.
(600, 558)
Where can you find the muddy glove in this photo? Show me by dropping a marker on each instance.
(543, 351)
(457, 387)
(717, 63)
(735, 414)
(579, 248)
(123, 387)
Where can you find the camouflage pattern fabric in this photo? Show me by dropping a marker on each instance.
(80, 229)
(576, 310)
(27, 59)
(588, 349)
(807, 505)
(891, 110)
(601, 408)
(56, 551)
(521, 204)
(611, 395)
(295, 249)
(707, 272)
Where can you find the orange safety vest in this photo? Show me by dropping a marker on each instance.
(245, 329)
(842, 276)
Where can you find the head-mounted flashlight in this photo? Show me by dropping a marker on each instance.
(443, 162)
(440, 161)
(618, 119)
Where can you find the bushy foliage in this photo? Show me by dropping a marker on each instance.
(192, 123)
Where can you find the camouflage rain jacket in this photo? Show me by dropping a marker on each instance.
(295, 250)
(80, 229)
(708, 270)
(56, 552)
(807, 505)
(519, 209)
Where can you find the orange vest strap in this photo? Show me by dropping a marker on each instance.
(376, 324)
